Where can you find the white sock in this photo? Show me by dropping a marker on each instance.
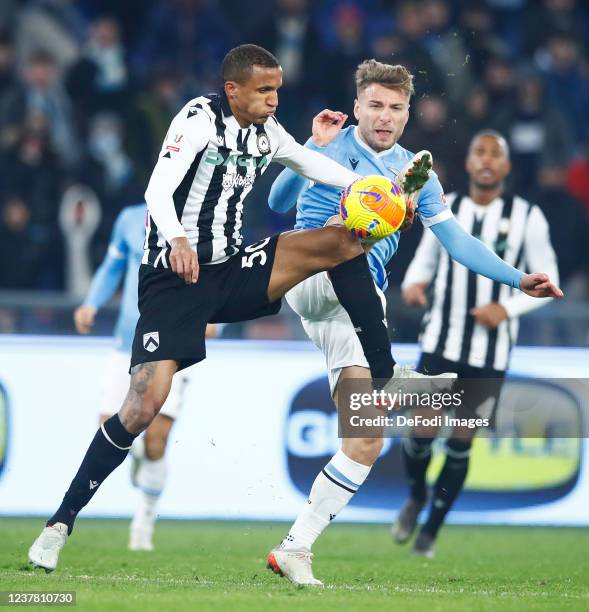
(138, 448)
(151, 479)
(333, 488)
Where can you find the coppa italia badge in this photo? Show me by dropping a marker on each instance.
(263, 143)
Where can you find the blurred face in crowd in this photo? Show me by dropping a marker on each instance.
(16, 215)
(255, 100)
(432, 112)
(382, 114)
(105, 33)
(41, 74)
(488, 162)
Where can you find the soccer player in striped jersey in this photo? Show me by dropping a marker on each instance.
(122, 260)
(196, 271)
(471, 325)
(370, 147)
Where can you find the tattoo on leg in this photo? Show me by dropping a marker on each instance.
(141, 377)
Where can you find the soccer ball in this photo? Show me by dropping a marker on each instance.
(373, 207)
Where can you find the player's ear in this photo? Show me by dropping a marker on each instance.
(230, 88)
(356, 109)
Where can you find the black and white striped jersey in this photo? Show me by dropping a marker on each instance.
(518, 232)
(207, 166)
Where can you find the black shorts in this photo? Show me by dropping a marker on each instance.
(173, 315)
(482, 399)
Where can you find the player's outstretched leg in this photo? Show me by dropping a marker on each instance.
(150, 479)
(332, 490)
(304, 253)
(149, 387)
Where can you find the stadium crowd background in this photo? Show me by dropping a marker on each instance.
(88, 87)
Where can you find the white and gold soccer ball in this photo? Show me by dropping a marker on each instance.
(373, 207)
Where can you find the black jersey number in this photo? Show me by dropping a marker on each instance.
(247, 261)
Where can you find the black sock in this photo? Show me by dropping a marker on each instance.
(417, 453)
(106, 452)
(355, 290)
(449, 483)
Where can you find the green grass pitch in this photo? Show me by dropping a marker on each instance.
(221, 566)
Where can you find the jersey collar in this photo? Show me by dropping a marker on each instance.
(368, 149)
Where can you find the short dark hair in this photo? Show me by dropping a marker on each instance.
(238, 64)
(491, 134)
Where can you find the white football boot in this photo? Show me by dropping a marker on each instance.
(294, 564)
(141, 537)
(406, 379)
(46, 548)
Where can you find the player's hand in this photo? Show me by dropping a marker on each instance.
(326, 126)
(184, 260)
(211, 331)
(489, 315)
(539, 285)
(84, 318)
(414, 295)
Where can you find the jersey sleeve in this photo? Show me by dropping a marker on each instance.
(432, 207)
(311, 164)
(189, 133)
(108, 276)
(423, 265)
(539, 257)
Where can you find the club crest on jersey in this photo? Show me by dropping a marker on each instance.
(263, 143)
(151, 341)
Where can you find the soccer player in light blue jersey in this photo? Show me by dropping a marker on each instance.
(123, 258)
(370, 147)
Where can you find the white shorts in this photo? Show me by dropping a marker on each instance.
(328, 325)
(117, 384)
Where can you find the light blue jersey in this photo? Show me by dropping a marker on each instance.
(317, 202)
(124, 255)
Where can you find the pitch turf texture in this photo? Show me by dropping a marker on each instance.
(221, 566)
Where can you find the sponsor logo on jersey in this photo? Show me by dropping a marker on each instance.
(353, 162)
(233, 181)
(216, 158)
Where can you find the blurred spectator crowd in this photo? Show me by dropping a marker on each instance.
(88, 87)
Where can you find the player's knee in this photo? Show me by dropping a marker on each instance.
(365, 450)
(341, 245)
(156, 438)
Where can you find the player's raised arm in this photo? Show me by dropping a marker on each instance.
(188, 135)
(472, 253)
